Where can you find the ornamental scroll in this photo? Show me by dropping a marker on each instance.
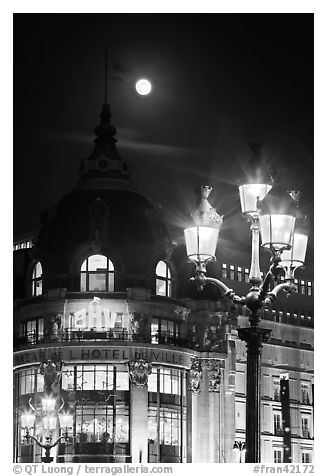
(139, 370)
(195, 376)
(213, 372)
(51, 372)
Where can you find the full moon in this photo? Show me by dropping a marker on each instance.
(143, 87)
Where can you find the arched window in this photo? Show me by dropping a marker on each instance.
(37, 280)
(163, 279)
(97, 274)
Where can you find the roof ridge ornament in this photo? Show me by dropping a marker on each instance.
(206, 214)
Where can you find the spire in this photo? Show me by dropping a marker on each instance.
(105, 75)
(104, 160)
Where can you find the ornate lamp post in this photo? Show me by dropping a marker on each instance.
(49, 414)
(271, 211)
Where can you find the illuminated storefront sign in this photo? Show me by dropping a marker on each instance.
(82, 354)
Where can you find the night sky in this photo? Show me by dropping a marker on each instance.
(219, 81)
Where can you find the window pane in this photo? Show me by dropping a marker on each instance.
(39, 382)
(111, 266)
(122, 381)
(38, 270)
(161, 269)
(83, 268)
(38, 288)
(152, 381)
(160, 287)
(40, 327)
(111, 282)
(83, 282)
(97, 262)
(100, 380)
(88, 380)
(68, 378)
(169, 294)
(97, 282)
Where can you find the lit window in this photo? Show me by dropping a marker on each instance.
(231, 272)
(306, 457)
(278, 429)
(37, 280)
(246, 275)
(278, 456)
(27, 381)
(305, 393)
(296, 282)
(224, 270)
(163, 279)
(97, 274)
(305, 426)
(276, 389)
(302, 287)
(239, 274)
(309, 288)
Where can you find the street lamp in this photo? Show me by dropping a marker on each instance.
(239, 450)
(271, 212)
(49, 420)
(49, 414)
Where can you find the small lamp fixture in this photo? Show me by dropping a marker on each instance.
(27, 420)
(277, 212)
(50, 422)
(66, 420)
(201, 238)
(48, 404)
(250, 193)
(294, 258)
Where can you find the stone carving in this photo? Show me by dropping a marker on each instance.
(213, 371)
(51, 372)
(139, 370)
(195, 376)
(182, 312)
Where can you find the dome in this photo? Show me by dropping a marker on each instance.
(103, 214)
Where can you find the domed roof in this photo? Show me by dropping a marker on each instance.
(103, 213)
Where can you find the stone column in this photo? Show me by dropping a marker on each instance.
(254, 337)
(139, 371)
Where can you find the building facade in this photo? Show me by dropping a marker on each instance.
(149, 368)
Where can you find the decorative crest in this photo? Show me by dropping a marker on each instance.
(206, 215)
(139, 370)
(51, 372)
(195, 376)
(213, 370)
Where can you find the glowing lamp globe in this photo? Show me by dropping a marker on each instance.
(66, 420)
(277, 212)
(201, 243)
(249, 196)
(27, 420)
(143, 87)
(49, 422)
(48, 404)
(295, 257)
(201, 237)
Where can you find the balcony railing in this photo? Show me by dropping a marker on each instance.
(112, 335)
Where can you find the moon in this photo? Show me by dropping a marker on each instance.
(143, 87)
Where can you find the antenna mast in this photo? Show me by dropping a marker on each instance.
(105, 74)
